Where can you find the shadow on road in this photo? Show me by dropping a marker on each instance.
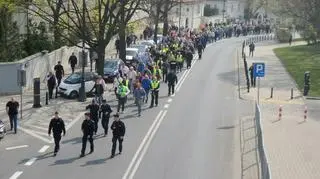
(65, 161)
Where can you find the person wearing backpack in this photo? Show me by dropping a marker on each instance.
(87, 127)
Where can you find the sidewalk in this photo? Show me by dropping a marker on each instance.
(291, 143)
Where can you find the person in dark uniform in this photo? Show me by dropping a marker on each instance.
(155, 85)
(51, 83)
(251, 49)
(172, 79)
(105, 111)
(118, 130)
(57, 127)
(12, 108)
(59, 74)
(189, 58)
(94, 114)
(73, 61)
(165, 68)
(252, 78)
(87, 127)
(200, 49)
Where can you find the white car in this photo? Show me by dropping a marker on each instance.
(70, 86)
(2, 129)
(148, 43)
(131, 55)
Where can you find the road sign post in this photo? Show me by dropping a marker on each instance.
(258, 72)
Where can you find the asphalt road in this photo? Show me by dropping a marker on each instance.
(193, 134)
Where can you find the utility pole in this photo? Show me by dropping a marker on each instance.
(180, 8)
(82, 92)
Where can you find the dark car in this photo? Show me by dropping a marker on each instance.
(111, 69)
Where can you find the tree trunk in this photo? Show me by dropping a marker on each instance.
(156, 23)
(165, 18)
(122, 36)
(56, 35)
(101, 55)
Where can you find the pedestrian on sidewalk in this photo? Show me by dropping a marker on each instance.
(118, 130)
(73, 61)
(146, 84)
(139, 94)
(51, 83)
(94, 114)
(172, 80)
(105, 111)
(132, 76)
(57, 127)
(251, 49)
(12, 108)
(252, 77)
(100, 87)
(59, 75)
(122, 92)
(87, 127)
(290, 39)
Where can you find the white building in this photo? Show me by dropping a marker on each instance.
(233, 8)
(190, 16)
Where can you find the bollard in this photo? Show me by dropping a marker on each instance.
(47, 98)
(280, 112)
(305, 113)
(36, 93)
(271, 95)
(291, 93)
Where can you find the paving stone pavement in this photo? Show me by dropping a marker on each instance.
(291, 143)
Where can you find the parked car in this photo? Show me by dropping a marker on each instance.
(111, 69)
(2, 129)
(70, 86)
(142, 48)
(131, 56)
(159, 38)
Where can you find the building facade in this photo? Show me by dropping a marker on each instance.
(233, 9)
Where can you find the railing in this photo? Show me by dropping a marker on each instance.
(263, 160)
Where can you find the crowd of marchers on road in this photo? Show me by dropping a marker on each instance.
(139, 76)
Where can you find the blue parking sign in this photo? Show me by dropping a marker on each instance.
(258, 69)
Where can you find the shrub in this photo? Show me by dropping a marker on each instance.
(283, 34)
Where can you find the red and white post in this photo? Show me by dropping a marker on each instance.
(305, 113)
(280, 112)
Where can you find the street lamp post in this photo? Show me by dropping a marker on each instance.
(180, 8)
(82, 92)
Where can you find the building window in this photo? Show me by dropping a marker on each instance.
(177, 11)
(198, 9)
(187, 9)
(231, 7)
(239, 7)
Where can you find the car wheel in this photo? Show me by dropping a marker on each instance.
(73, 94)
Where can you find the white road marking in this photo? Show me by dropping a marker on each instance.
(16, 175)
(44, 149)
(147, 146)
(17, 147)
(30, 162)
(74, 121)
(166, 106)
(169, 100)
(184, 75)
(33, 134)
(39, 127)
(141, 146)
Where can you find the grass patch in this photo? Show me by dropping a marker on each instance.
(297, 60)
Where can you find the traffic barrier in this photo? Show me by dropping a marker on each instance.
(305, 113)
(280, 113)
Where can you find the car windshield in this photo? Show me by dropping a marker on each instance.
(74, 78)
(131, 53)
(111, 65)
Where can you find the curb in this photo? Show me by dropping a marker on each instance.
(312, 98)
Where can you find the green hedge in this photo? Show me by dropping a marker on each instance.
(283, 34)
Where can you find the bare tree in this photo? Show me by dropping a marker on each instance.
(102, 19)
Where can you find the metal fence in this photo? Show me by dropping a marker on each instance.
(263, 160)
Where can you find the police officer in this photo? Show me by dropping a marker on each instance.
(172, 79)
(155, 85)
(189, 58)
(179, 61)
(94, 114)
(57, 127)
(87, 127)
(105, 111)
(118, 130)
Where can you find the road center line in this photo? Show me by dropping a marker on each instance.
(147, 146)
(16, 175)
(44, 149)
(141, 145)
(169, 100)
(166, 106)
(30, 162)
(17, 147)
